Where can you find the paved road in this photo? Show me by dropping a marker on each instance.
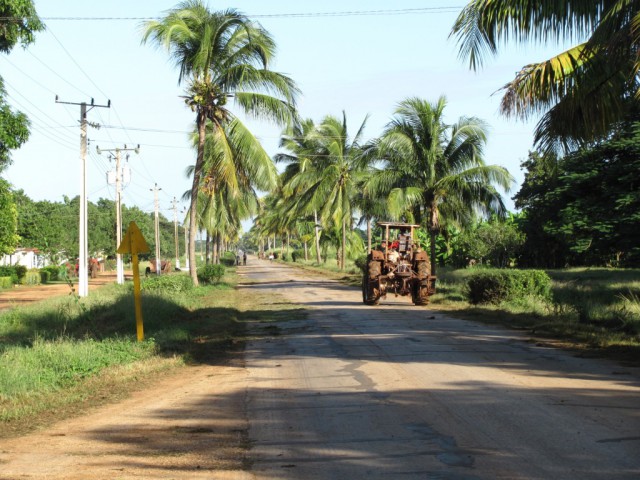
(401, 392)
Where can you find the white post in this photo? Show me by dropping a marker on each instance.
(157, 225)
(119, 266)
(83, 279)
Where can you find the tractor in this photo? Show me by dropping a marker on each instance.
(398, 265)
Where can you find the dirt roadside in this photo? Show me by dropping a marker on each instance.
(189, 424)
(25, 294)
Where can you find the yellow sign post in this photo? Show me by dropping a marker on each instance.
(134, 243)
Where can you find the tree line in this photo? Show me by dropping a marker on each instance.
(52, 228)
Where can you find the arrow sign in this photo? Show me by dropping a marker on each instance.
(133, 241)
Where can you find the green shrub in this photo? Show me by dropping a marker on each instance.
(9, 271)
(6, 282)
(21, 271)
(361, 262)
(296, 254)
(166, 283)
(53, 271)
(32, 277)
(45, 276)
(211, 273)
(495, 286)
(228, 259)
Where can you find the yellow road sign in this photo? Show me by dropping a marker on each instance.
(133, 241)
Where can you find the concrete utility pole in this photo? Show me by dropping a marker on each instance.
(175, 227)
(83, 255)
(119, 265)
(156, 204)
(186, 241)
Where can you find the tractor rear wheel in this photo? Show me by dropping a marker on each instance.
(420, 288)
(370, 292)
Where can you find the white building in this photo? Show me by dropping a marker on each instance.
(29, 257)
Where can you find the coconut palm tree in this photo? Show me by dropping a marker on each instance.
(303, 155)
(434, 171)
(581, 92)
(221, 56)
(330, 186)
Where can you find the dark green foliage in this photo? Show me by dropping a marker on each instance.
(211, 273)
(228, 259)
(297, 254)
(52, 271)
(45, 276)
(361, 262)
(166, 284)
(8, 214)
(495, 286)
(584, 209)
(16, 272)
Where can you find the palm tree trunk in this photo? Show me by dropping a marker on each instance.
(207, 248)
(193, 208)
(306, 251)
(368, 235)
(432, 235)
(317, 229)
(344, 244)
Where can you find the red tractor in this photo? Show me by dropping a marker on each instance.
(398, 265)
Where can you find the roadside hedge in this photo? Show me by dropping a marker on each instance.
(16, 272)
(495, 286)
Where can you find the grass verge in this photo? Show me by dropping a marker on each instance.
(63, 356)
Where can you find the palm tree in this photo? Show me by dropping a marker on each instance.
(435, 173)
(583, 91)
(304, 154)
(330, 186)
(221, 56)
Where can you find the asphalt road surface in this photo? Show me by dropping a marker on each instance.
(350, 391)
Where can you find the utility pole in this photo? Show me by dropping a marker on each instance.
(83, 255)
(175, 227)
(186, 241)
(156, 204)
(119, 266)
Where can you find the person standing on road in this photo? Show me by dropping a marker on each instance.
(244, 258)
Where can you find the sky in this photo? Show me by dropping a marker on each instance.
(355, 56)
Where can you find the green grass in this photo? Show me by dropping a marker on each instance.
(61, 356)
(596, 310)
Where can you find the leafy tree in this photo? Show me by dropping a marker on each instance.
(591, 210)
(434, 173)
(495, 242)
(582, 91)
(18, 24)
(8, 220)
(221, 55)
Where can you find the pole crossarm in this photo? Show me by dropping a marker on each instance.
(119, 264)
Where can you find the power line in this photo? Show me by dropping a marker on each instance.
(344, 13)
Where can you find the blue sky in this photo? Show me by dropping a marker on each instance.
(363, 64)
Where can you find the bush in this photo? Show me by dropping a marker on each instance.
(45, 276)
(6, 282)
(166, 283)
(361, 262)
(32, 277)
(53, 271)
(16, 272)
(211, 273)
(495, 286)
(228, 259)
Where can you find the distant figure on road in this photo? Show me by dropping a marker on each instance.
(271, 257)
(244, 258)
